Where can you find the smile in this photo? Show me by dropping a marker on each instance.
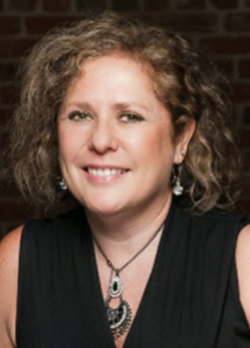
(105, 172)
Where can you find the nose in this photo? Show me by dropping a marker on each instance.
(103, 138)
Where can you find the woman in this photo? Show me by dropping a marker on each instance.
(121, 116)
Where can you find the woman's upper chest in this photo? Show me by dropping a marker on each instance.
(183, 303)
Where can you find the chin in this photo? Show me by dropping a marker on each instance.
(103, 208)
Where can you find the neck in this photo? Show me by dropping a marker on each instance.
(124, 235)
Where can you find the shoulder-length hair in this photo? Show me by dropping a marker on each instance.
(188, 85)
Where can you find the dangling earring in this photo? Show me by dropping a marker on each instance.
(177, 187)
(63, 185)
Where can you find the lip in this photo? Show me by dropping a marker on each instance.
(104, 173)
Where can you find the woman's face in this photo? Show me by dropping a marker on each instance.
(116, 144)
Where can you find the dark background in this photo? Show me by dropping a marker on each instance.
(221, 27)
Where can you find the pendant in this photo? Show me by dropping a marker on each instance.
(119, 318)
(115, 286)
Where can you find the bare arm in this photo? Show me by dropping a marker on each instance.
(9, 254)
(243, 269)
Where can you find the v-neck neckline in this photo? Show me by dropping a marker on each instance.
(146, 293)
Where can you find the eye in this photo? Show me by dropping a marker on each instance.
(130, 117)
(79, 116)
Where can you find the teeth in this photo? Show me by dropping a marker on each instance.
(105, 172)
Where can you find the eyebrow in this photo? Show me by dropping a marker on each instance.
(117, 106)
(124, 105)
(79, 105)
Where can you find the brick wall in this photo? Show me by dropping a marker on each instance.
(221, 26)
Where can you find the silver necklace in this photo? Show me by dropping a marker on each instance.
(119, 317)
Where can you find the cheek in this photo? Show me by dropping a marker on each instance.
(159, 143)
(63, 142)
(154, 151)
(69, 143)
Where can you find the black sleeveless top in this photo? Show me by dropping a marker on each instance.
(191, 299)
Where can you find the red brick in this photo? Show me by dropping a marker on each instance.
(9, 226)
(125, 5)
(5, 115)
(238, 22)
(9, 95)
(9, 25)
(155, 5)
(246, 121)
(244, 68)
(4, 140)
(244, 138)
(227, 45)
(56, 5)
(15, 211)
(190, 22)
(245, 184)
(15, 48)
(92, 6)
(190, 4)
(22, 5)
(243, 207)
(240, 92)
(41, 24)
(246, 160)
(245, 188)
(225, 4)
(8, 190)
(3, 231)
(7, 71)
(226, 66)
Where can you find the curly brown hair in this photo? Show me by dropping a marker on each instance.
(188, 85)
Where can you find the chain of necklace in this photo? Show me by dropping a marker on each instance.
(120, 317)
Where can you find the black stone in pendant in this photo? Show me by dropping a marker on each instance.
(115, 287)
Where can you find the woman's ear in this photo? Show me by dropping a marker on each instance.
(183, 141)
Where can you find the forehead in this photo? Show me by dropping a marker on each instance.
(118, 61)
(115, 71)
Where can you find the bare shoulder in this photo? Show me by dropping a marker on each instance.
(9, 251)
(243, 268)
(9, 255)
